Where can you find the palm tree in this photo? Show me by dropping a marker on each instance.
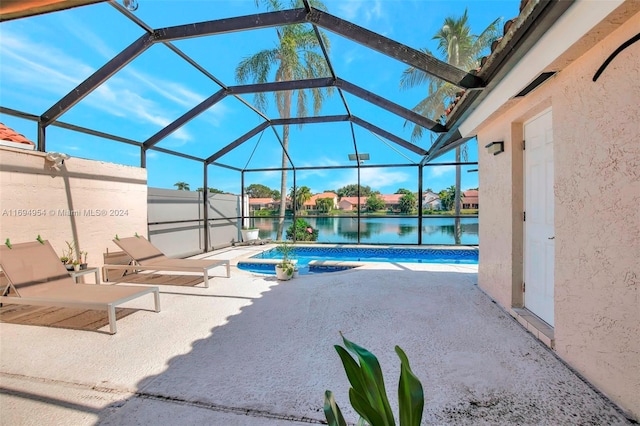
(182, 186)
(459, 47)
(301, 196)
(295, 57)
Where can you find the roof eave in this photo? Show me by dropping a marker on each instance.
(15, 9)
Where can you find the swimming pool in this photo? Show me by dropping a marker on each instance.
(315, 259)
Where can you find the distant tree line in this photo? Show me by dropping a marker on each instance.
(408, 201)
(184, 186)
(256, 190)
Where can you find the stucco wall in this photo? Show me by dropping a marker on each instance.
(597, 215)
(86, 201)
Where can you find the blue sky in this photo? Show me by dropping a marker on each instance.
(43, 58)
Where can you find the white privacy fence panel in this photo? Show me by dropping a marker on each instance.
(176, 221)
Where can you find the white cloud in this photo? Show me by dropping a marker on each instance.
(350, 56)
(86, 35)
(349, 9)
(440, 171)
(366, 11)
(44, 68)
(377, 178)
(170, 90)
(39, 66)
(216, 115)
(318, 162)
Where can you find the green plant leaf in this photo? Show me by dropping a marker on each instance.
(332, 411)
(373, 380)
(358, 387)
(351, 368)
(361, 405)
(410, 393)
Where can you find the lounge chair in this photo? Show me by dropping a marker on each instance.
(36, 276)
(147, 257)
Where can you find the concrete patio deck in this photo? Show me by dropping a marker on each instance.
(250, 350)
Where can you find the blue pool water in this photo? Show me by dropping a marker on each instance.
(305, 255)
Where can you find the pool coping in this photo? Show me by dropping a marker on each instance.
(248, 258)
(384, 246)
(346, 264)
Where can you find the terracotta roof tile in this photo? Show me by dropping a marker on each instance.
(312, 200)
(494, 45)
(8, 134)
(260, 200)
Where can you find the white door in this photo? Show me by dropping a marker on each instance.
(538, 226)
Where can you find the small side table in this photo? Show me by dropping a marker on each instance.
(76, 274)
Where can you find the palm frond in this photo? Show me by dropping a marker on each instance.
(487, 36)
(257, 68)
(460, 48)
(270, 5)
(296, 57)
(301, 103)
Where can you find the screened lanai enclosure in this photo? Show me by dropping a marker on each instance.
(307, 98)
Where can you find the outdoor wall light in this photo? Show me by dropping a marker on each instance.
(495, 148)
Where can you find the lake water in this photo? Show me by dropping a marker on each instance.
(380, 230)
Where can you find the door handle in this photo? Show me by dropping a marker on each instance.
(551, 238)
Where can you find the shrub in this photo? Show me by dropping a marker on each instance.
(302, 231)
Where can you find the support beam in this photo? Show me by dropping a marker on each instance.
(398, 51)
(309, 120)
(370, 39)
(97, 78)
(362, 166)
(448, 146)
(242, 139)
(97, 133)
(226, 166)
(205, 207)
(21, 114)
(420, 177)
(223, 26)
(177, 154)
(442, 140)
(42, 139)
(186, 117)
(396, 109)
(242, 195)
(393, 138)
(278, 86)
